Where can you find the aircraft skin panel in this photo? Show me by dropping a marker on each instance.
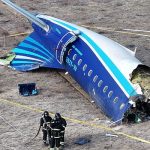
(113, 50)
(111, 108)
(28, 58)
(124, 83)
(31, 54)
(123, 59)
(115, 105)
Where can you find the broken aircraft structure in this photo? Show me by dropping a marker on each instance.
(116, 80)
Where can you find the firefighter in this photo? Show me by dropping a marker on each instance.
(58, 125)
(45, 122)
(62, 128)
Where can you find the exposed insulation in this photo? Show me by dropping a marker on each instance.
(141, 76)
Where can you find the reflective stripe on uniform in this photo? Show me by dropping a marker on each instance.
(57, 137)
(55, 129)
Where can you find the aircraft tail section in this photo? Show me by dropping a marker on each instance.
(32, 54)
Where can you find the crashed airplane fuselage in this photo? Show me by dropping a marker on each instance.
(102, 67)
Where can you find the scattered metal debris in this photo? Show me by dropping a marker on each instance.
(111, 135)
(28, 89)
(6, 60)
(82, 141)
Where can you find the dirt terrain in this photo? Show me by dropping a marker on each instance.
(19, 116)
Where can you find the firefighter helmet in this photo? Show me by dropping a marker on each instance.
(46, 114)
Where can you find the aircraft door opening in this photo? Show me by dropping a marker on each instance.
(65, 41)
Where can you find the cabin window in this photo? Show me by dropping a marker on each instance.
(100, 83)
(95, 78)
(79, 62)
(115, 100)
(90, 73)
(122, 106)
(105, 89)
(69, 51)
(74, 56)
(110, 94)
(84, 67)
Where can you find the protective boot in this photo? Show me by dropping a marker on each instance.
(62, 143)
(52, 149)
(57, 148)
(45, 143)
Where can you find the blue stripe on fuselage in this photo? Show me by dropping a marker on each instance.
(23, 62)
(22, 51)
(26, 45)
(34, 42)
(120, 77)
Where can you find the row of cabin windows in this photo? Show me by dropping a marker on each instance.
(99, 83)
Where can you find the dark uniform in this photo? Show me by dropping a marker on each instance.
(58, 125)
(62, 132)
(45, 122)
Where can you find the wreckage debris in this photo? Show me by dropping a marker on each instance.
(82, 141)
(28, 89)
(141, 76)
(140, 111)
(111, 135)
(6, 60)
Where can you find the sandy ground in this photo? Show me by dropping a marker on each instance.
(55, 93)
